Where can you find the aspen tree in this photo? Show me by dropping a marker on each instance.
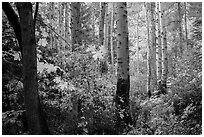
(67, 22)
(159, 48)
(50, 18)
(106, 31)
(75, 25)
(164, 47)
(186, 29)
(123, 117)
(138, 47)
(101, 26)
(59, 43)
(111, 36)
(180, 30)
(149, 90)
(153, 46)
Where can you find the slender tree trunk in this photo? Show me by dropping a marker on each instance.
(106, 32)
(159, 50)
(63, 33)
(153, 46)
(59, 43)
(111, 37)
(138, 47)
(164, 48)
(149, 90)
(36, 122)
(50, 23)
(180, 29)
(60, 29)
(103, 40)
(93, 24)
(101, 27)
(67, 22)
(63, 24)
(186, 29)
(55, 27)
(75, 25)
(123, 117)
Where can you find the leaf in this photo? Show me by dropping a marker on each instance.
(44, 66)
(72, 87)
(91, 49)
(98, 55)
(44, 33)
(16, 56)
(42, 42)
(63, 85)
(57, 80)
(121, 116)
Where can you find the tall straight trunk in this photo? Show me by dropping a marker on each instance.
(60, 29)
(63, 24)
(106, 31)
(180, 30)
(123, 117)
(75, 25)
(138, 47)
(36, 122)
(111, 36)
(59, 26)
(186, 29)
(51, 18)
(67, 22)
(159, 49)
(54, 35)
(164, 48)
(148, 51)
(101, 26)
(63, 33)
(153, 46)
(93, 24)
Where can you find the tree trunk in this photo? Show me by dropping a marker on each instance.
(186, 29)
(106, 27)
(75, 25)
(164, 48)
(149, 90)
(58, 44)
(180, 29)
(123, 117)
(138, 47)
(106, 33)
(51, 18)
(159, 50)
(63, 24)
(153, 47)
(111, 37)
(101, 27)
(55, 27)
(93, 24)
(103, 39)
(36, 122)
(67, 22)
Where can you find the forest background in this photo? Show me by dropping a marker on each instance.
(77, 76)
